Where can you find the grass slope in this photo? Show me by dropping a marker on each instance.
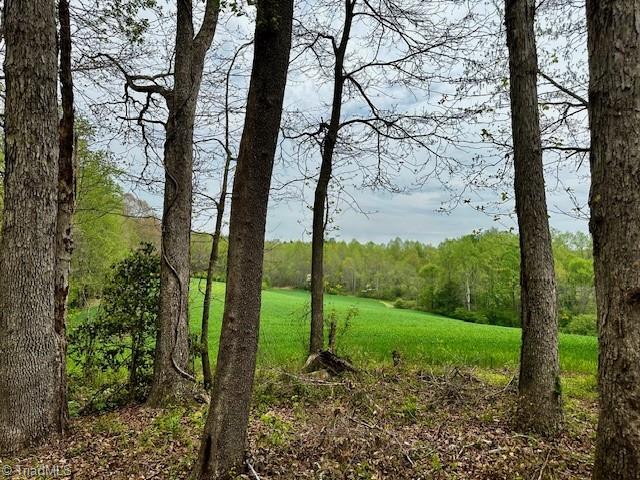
(377, 330)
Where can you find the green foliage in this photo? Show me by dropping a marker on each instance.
(404, 304)
(370, 270)
(121, 337)
(421, 338)
(470, 316)
(276, 432)
(584, 324)
(125, 18)
(409, 409)
(100, 231)
(475, 278)
(339, 324)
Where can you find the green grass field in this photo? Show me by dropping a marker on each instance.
(377, 330)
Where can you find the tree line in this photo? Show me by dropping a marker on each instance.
(474, 277)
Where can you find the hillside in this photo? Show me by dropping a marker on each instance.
(377, 330)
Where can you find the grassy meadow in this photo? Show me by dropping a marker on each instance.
(377, 330)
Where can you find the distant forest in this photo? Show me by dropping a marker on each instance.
(473, 278)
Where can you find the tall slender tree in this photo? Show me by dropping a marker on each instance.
(614, 107)
(223, 444)
(32, 393)
(66, 177)
(171, 380)
(316, 342)
(374, 49)
(213, 260)
(539, 396)
(217, 232)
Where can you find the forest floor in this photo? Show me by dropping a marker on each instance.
(388, 423)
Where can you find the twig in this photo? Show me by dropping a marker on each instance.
(464, 447)
(544, 465)
(252, 470)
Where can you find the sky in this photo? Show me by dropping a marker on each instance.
(414, 213)
(411, 216)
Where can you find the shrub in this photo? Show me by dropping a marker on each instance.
(503, 317)
(405, 304)
(121, 336)
(471, 316)
(585, 324)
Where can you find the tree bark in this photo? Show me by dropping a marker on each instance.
(223, 444)
(32, 393)
(614, 104)
(539, 395)
(316, 342)
(215, 244)
(171, 380)
(66, 181)
(213, 260)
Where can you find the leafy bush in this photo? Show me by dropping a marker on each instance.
(504, 317)
(470, 316)
(405, 304)
(585, 324)
(120, 338)
(333, 288)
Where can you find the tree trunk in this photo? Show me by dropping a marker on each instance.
(316, 342)
(137, 342)
(614, 101)
(66, 181)
(467, 293)
(171, 380)
(32, 396)
(213, 259)
(223, 444)
(539, 402)
(215, 244)
(204, 336)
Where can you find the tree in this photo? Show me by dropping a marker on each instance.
(32, 364)
(223, 444)
(377, 47)
(99, 228)
(122, 334)
(316, 342)
(66, 175)
(215, 241)
(614, 93)
(171, 380)
(1, 184)
(539, 396)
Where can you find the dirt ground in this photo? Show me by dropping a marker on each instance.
(384, 424)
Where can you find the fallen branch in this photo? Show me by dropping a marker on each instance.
(544, 465)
